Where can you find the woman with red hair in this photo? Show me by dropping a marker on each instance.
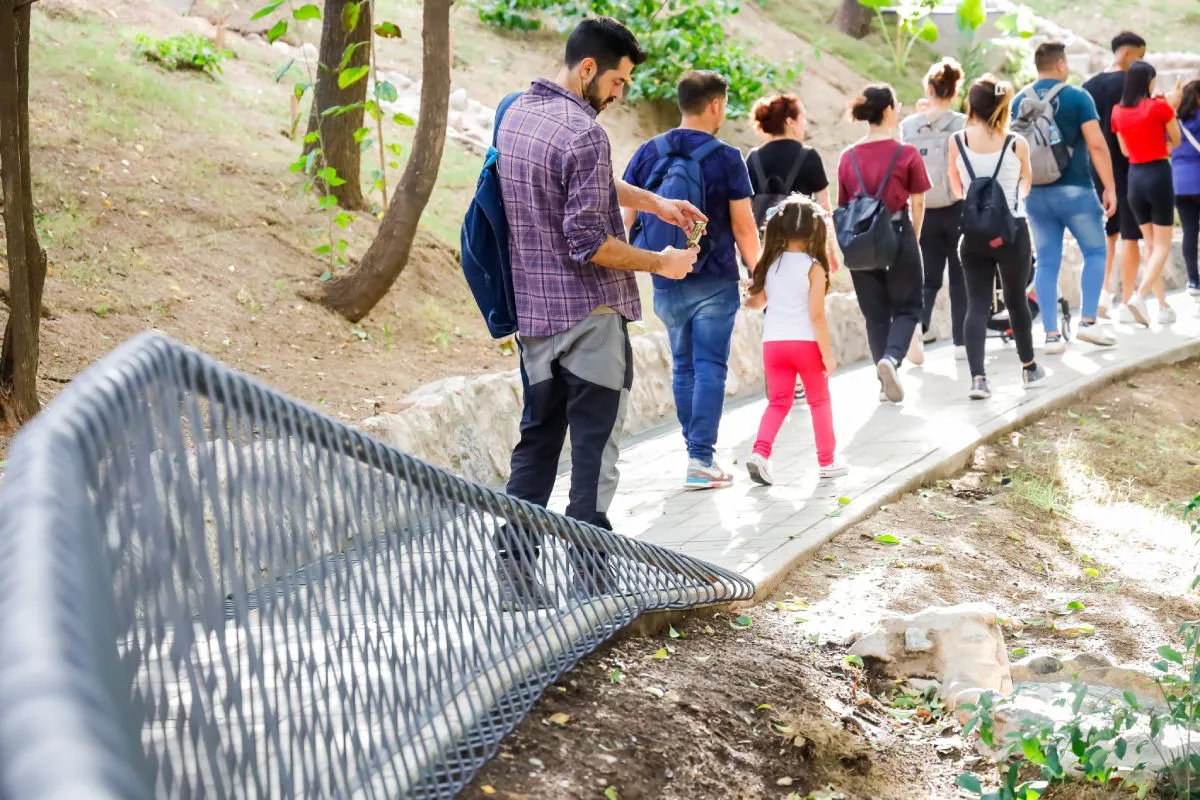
(784, 165)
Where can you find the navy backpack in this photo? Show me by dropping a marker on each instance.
(485, 258)
(677, 176)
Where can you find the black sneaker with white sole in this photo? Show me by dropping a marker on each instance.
(1033, 376)
(889, 377)
(979, 388)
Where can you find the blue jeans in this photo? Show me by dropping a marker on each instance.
(1053, 210)
(699, 314)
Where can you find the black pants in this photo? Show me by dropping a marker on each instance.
(578, 380)
(891, 299)
(1189, 219)
(980, 263)
(1152, 193)
(939, 250)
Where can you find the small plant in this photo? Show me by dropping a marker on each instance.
(909, 24)
(185, 51)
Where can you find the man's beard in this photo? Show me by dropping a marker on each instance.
(591, 93)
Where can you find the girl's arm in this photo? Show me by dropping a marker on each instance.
(1121, 141)
(756, 301)
(1025, 183)
(956, 184)
(1174, 135)
(831, 248)
(816, 310)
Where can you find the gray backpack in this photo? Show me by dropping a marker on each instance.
(1049, 155)
(931, 137)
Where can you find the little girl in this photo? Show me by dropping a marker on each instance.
(790, 279)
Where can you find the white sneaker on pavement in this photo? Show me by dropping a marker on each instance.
(706, 476)
(1055, 347)
(916, 349)
(1125, 316)
(890, 376)
(1137, 307)
(960, 352)
(759, 469)
(835, 470)
(1094, 334)
(1166, 315)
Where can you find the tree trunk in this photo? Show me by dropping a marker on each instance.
(364, 285)
(853, 19)
(26, 259)
(340, 151)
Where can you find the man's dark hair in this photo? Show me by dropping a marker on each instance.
(1127, 39)
(604, 40)
(1048, 55)
(698, 88)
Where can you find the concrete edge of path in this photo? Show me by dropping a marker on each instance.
(942, 463)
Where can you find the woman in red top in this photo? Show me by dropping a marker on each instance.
(890, 299)
(1147, 130)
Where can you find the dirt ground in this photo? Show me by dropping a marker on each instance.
(1082, 505)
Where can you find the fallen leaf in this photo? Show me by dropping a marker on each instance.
(662, 654)
(887, 538)
(843, 501)
(944, 515)
(654, 690)
(741, 623)
(610, 793)
(486, 789)
(1092, 571)
(784, 782)
(559, 719)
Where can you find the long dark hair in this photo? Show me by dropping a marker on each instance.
(1137, 83)
(1189, 103)
(795, 218)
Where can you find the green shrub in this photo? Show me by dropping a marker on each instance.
(678, 35)
(184, 51)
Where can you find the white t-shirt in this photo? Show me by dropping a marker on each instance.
(788, 318)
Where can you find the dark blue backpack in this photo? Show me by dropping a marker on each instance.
(677, 176)
(485, 258)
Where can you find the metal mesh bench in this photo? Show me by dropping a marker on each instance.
(208, 590)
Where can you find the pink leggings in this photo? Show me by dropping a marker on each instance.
(784, 361)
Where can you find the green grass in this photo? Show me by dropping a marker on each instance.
(870, 57)
(1036, 492)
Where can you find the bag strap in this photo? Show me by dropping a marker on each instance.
(794, 172)
(754, 160)
(501, 110)
(962, 151)
(862, 184)
(705, 150)
(1000, 161)
(1191, 139)
(1054, 92)
(888, 174)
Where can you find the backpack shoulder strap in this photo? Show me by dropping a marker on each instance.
(1188, 135)
(962, 151)
(797, 165)
(1054, 92)
(1008, 140)
(501, 110)
(662, 145)
(707, 149)
(862, 184)
(754, 161)
(887, 176)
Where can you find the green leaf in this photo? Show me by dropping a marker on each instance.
(970, 15)
(741, 623)
(843, 501)
(269, 8)
(401, 118)
(326, 202)
(284, 70)
(342, 219)
(1019, 652)
(349, 77)
(307, 11)
(966, 780)
(1171, 654)
(350, 15)
(361, 134)
(329, 175)
(395, 148)
(887, 538)
(301, 88)
(386, 92)
(944, 515)
(323, 250)
(325, 276)
(1075, 605)
(661, 654)
(928, 31)
(610, 793)
(349, 54)
(616, 675)
(277, 30)
(674, 634)
(854, 661)
(387, 30)
(1091, 571)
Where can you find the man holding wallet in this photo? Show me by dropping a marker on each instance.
(700, 310)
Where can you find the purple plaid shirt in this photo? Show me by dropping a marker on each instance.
(560, 197)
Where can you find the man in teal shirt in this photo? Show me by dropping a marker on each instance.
(1070, 203)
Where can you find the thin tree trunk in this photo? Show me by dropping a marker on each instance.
(364, 285)
(337, 130)
(853, 19)
(26, 260)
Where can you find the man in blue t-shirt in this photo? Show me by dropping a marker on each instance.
(1070, 203)
(700, 310)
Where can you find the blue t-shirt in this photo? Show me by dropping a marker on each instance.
(1073, 108)
(725, 179)
(1185, 159)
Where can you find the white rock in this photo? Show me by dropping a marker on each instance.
(916, 640)
(458, 100)
(282, 46)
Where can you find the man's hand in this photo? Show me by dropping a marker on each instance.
(1109, 202)
(675, 264)
(679, 213)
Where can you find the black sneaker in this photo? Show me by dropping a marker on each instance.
(979, 388)
(520, 588)
(1033, 376)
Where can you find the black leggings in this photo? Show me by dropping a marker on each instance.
(1189, 219)
(891, 299)
(980, 261)
(939, 248)
(1152, 193)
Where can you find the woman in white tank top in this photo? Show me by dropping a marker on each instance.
(994, 152)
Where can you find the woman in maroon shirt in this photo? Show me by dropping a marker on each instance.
(890, 299)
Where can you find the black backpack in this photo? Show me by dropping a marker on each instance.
(986, 214)
(771, 190)
(864, 226)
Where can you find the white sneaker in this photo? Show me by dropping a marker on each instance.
(1094, 334)
(835, 470)
(1125, 316)
(1166, 315)
(960, 352)
(916, 349)
(1137, 307)
(760, 470)
(1194, 291)
(883, 398)
(1055, 347)
(1106, 305)
(706, 476)
(892, 390)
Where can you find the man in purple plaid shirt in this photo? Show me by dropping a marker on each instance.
(573, 278)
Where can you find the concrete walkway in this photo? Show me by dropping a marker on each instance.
(763, 533)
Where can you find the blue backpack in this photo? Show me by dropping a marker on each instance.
(485, 258)
(677, 176)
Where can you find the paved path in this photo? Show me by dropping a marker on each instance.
(763, 532)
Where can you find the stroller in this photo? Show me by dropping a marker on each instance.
(999, 322)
